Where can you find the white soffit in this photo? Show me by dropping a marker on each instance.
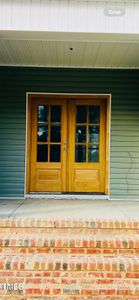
(74, 50)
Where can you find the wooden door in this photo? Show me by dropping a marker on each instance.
(87, 146)
(68, 147)
(48, 145)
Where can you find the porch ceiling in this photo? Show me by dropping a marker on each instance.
(69, 50)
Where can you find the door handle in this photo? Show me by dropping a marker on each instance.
(65, 146)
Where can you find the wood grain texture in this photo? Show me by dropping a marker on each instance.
(66, 176)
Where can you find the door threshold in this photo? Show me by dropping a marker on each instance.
(70, 196)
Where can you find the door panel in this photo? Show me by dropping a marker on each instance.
(67, 145)
(48, 153)
(86, 146)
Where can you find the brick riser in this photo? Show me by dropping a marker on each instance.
(70, 260)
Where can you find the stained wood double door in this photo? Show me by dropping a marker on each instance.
(67, 146)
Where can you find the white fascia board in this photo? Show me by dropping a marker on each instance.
(70, 36)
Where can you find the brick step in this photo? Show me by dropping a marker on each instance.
(58, 242)
(72, 276)
(67, 231)
(98, 240)
(43, 250)
(53, 276)
(75, 297)
(76, 287)
(68, 223)
(69, 297)
(70, 262)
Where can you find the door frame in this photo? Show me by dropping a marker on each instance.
(68, 96)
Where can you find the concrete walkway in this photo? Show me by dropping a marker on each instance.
(69, 209)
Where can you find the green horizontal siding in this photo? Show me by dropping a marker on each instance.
(122, 84)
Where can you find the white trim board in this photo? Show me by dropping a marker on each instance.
(132, 199)
(69, 67)
(67, 196)
(13, 198)
(106, 37)
(70, 197)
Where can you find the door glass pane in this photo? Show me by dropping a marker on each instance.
(56, 113)
(93, 153)
(55, 133)
(80, 134)
(43, 113)
(93, 134)
(81, 114)
(42, 153)
(80, 153)
(55, 153)
(94, 114)
(42, 134)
